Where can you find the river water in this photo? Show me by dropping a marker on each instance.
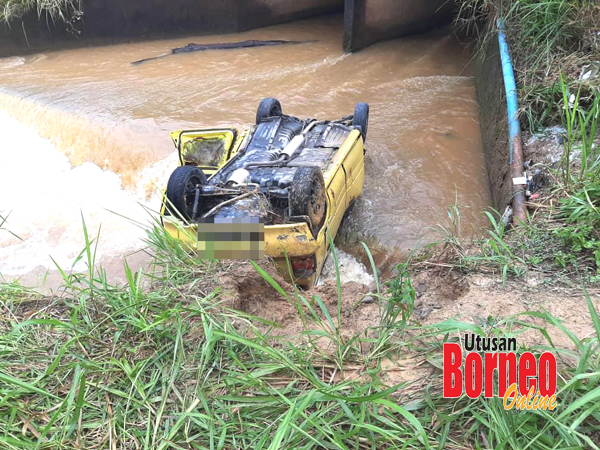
(85, 134)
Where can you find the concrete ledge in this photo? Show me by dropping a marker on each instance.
(261, 13)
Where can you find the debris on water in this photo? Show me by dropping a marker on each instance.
(8, 63)
(191, 47)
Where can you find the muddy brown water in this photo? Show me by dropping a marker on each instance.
(83, 131)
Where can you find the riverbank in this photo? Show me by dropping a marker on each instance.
(556, 53)
(179, 358)
(198, 354)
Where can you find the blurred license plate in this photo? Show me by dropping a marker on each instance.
(224, 238)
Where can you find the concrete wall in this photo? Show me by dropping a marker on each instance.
(370, 21)
(119, 20)
(494, 125)
(365, 21)
(260, 13)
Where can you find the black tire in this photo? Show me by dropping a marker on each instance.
(361, 118)
(181, 191)
(268, 107)
(308, 196)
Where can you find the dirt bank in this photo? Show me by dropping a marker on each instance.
(442, 293)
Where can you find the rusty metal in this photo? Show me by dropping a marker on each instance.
(516, 170)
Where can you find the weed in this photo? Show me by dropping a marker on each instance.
(451, 245)
(169, 367)
(581, 232)
(3, 221)
(547, 37)
(496, 254)
(562, 241)
(67, 11)
(125, 366)
(581, 126)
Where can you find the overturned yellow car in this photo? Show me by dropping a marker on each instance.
(294, 178)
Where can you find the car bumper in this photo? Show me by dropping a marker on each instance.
(282, 242)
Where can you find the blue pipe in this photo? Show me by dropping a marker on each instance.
(510, 86)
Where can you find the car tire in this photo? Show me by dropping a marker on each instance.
(308, 196)
(361, 118)
(268, 107)
(181, 191)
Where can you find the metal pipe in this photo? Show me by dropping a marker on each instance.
(298, 141)
(293, 146)
(514, 129)
(288, 152)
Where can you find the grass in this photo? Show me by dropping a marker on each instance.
(164, 362)
(561, 238)
(121, 366)
(547, 38)
(67, 11)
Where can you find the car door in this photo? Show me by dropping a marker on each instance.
(354, 168)
(336, 193)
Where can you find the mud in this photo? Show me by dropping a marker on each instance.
(484, 300)
(441, 294)
(251, 294)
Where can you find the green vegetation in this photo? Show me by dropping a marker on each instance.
(551, 42)
(547, 38)
(66, 11)
(561, 239)
(164, 362)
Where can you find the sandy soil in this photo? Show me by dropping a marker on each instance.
(441, 294)
(474, 298)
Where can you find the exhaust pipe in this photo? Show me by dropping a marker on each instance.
(288, 152)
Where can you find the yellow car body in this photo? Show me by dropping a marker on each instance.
(344, 176)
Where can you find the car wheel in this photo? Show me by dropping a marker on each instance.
(361, 118)
(268, 107)
(181, 191)
(308, 196)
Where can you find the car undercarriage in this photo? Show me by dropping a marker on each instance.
(277, 174)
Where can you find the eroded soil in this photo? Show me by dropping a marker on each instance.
(442, 293)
